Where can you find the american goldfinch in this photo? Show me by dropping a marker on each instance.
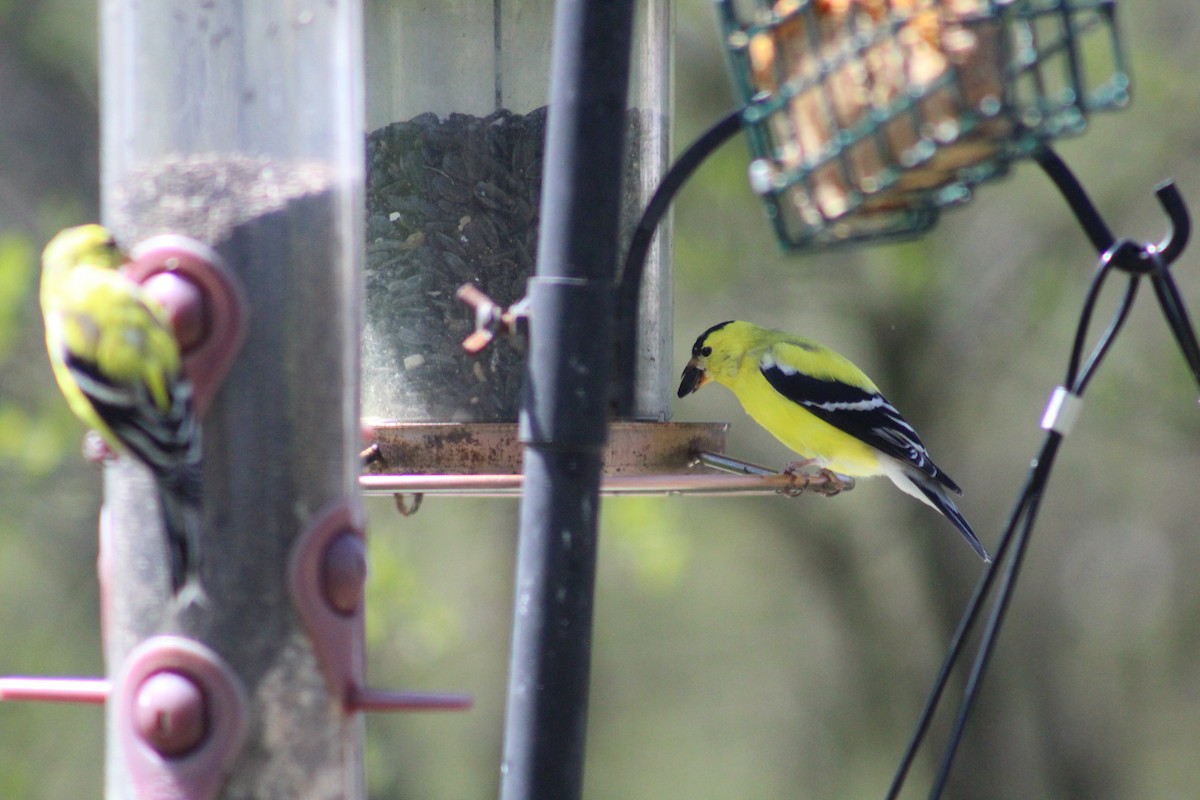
(119, 367)
(823, 407)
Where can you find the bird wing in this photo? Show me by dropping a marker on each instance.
(860, 411)
(166, 442)
(122, 356)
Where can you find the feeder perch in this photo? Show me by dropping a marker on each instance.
(865, 117)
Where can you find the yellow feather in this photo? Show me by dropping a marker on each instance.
(119, 367)
(100, 316)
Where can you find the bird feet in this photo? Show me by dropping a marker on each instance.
(800, 478)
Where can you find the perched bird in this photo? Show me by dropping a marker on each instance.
(823, 407)
(118, 365)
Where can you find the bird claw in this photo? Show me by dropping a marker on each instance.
(799, 479)
(834, 485)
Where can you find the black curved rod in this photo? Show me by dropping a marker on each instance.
(629, 284)
(1097, 229)
(1072, 190)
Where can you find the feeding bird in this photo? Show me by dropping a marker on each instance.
(824, 408)
(118, 364)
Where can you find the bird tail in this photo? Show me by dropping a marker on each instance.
(179, 496)
(933, 493)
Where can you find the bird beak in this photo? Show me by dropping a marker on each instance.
(693, 378)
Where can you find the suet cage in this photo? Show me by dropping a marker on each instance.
(866, 117)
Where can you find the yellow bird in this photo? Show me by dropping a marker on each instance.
(118, 365)
(823, 407)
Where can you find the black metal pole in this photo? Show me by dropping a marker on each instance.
(564, 415)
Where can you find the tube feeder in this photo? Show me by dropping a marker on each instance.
(457, 100)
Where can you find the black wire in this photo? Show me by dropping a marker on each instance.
(630, 281)
(1177, 318)
(1021, 519)
(1115, 256)
(1078, 378)
(1026, 515)
(1137, 261)
(959, 640)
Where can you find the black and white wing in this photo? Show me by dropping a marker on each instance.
(862, 413)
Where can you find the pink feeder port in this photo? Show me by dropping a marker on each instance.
(204, 301)
(184, 302)
(181, 718)
(344, 572)
(170, 713)
(327, 574)
(336, 634)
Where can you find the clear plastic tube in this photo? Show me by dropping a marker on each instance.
(240, 124)
(456, 96)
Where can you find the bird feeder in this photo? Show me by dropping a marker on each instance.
(233, 170)
(457, 99)
(866, 117)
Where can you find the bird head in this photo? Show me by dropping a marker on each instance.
(695, 374)
(90, 245)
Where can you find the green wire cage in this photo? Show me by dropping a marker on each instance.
(866, 117)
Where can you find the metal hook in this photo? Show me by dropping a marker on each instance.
(1098, 231)
(1181, 225)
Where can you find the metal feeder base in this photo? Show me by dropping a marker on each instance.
(484, 460)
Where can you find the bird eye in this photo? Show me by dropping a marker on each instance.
(706, 351)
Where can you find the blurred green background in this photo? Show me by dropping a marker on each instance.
(750, 648)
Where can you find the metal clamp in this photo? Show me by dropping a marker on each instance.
(1061, 411)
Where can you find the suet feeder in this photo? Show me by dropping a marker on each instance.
(866, 117)
(457, 98)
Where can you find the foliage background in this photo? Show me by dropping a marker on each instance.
(751, 648)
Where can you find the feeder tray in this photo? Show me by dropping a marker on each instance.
(485, 459)
(866, 117)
